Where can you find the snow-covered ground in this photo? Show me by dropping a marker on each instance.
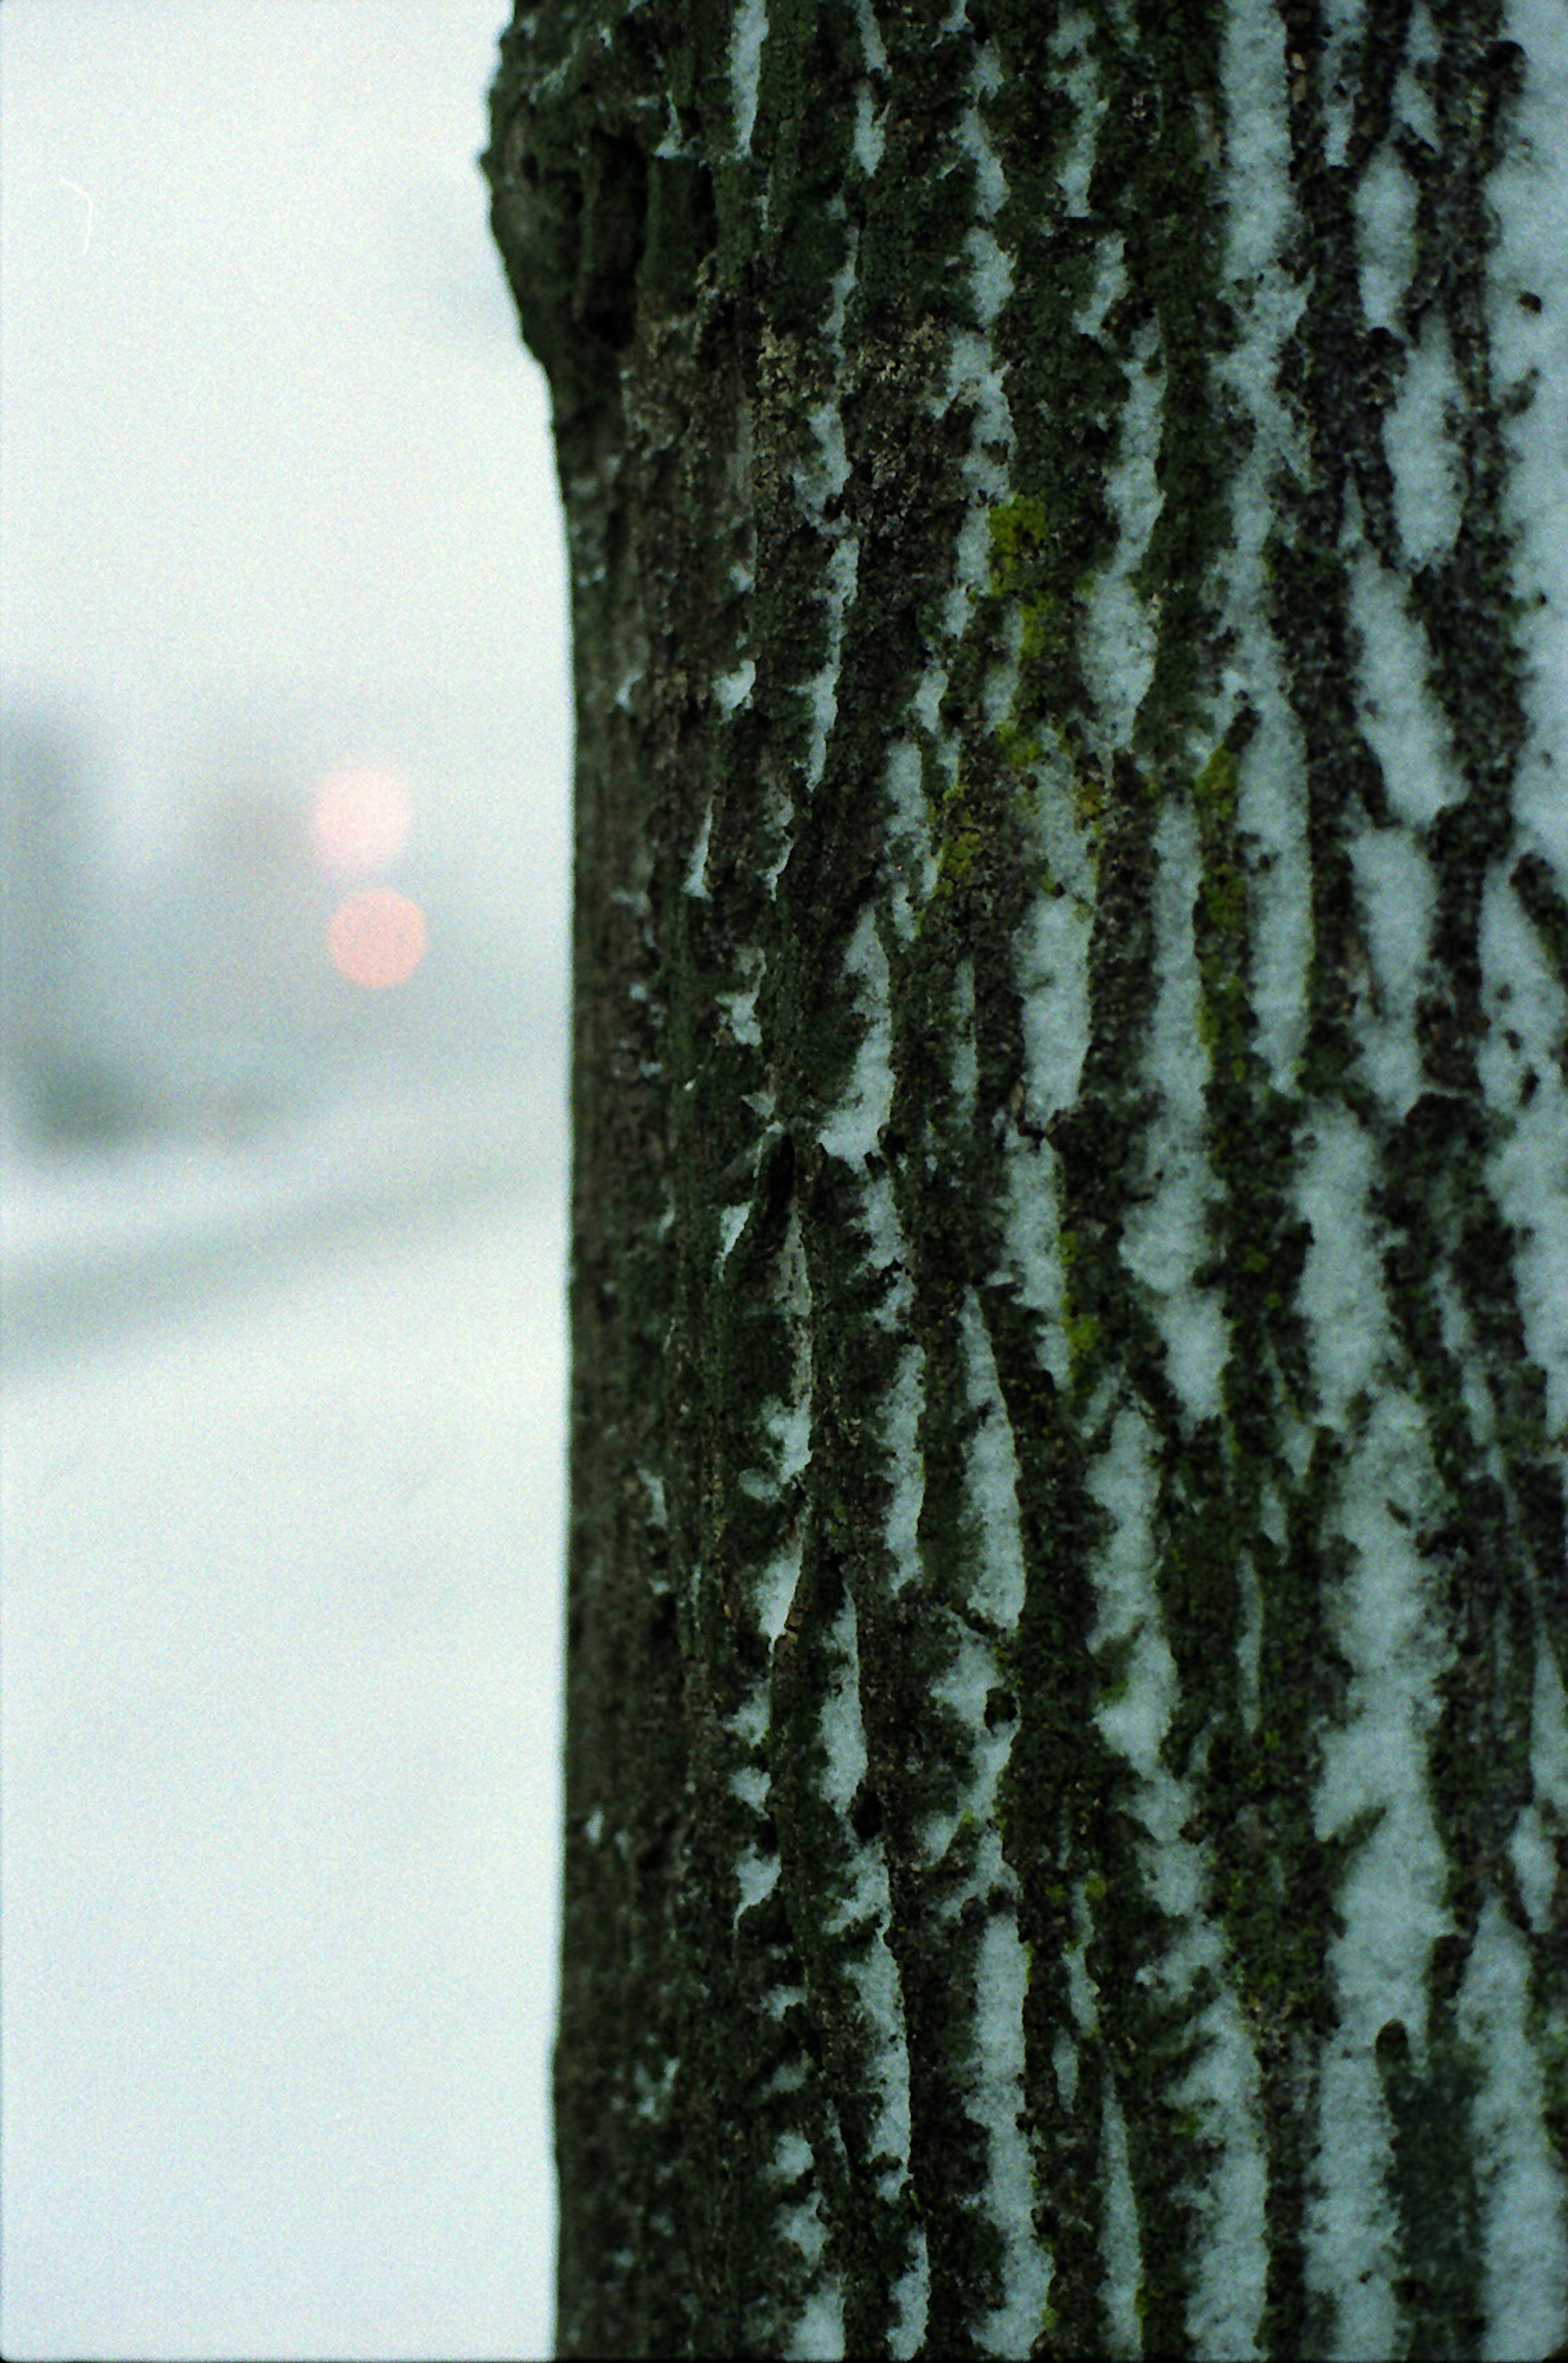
(281, 1519)
(89, 1239)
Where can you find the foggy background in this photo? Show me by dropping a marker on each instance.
(283, 853)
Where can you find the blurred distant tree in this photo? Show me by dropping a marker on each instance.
(58, 1073)
(1067, 1782)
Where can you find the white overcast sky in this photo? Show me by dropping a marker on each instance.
(269, 441)
(274, 464)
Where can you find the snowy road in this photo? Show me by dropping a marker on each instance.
(280, 1760)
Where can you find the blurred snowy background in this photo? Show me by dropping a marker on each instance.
(283, 852)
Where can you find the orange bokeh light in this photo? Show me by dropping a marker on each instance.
(360, 819)
(376, 937)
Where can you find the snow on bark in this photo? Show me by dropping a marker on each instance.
(1072, 1204)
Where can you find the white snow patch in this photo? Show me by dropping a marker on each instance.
(1393, 1896)
(853, 1130)
(1082, 1992)
(1459, 1336)
(991, 274)
(1034, 1266)
(1548, 1736)
(775, 1590)
(1399, 714)
(1125, 1482)
(972, 568)
(791, 1426)
(749, 1721)
(1165, 1239)
(1529, 194)
(1223, 2081)
(695, 880)
(1353, 2233)
(1070, 44)
(740, 1009)
(995, 2091)
(912, 2300)
(1420, 452)
(1232, 2264)
(782, 1998)
(990, 181)
(1531, 1178)
(1378, 1755)
(1124, 2261)
(654, 1488)
(672, 144)
(817, 2333)
(732, 1223)
(901, 1443)
(870, 118)
(843, 1735)
(824, 478)
(731, 690)
(786, 1423)
(875, 1975)
(1176, 1877)
(910, 836)
(1535, 1862)
(964, 1685)
(1335, 76)
(1396, 895)
(926, 703)
(996, 2087)
(1110, 281)
(869, 31)
(821, 692)
(1120, 634)
(841, 287)
(748, 33)
(1268, 301)
(965, 1053)
(886, 1252)
(1270, 811)
(1522, 2191)
(756, 1876)
(1003, 1981)
(1385, 225)
(1341, 1284)
(1528, 1166)
(1053, 980)
(1412, 92)
(1257, 140)
(991, 1478)
(975, 373)
(1064, 2062)
(870, 131)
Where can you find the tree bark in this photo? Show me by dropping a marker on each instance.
(1067, 1775)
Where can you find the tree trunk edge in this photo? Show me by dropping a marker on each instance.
(861, 1178)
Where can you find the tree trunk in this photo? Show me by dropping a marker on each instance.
(1067, 1775)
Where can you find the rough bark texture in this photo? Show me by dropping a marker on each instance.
(1067, 1783)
